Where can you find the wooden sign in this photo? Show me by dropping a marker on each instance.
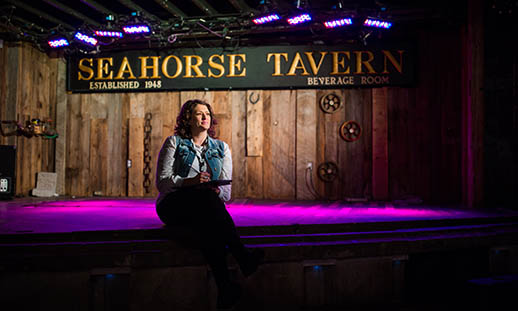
(243, 68)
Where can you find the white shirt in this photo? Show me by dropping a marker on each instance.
(167, 181)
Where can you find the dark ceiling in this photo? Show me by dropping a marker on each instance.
(211, 23)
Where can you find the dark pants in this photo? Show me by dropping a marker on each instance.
(203, 213)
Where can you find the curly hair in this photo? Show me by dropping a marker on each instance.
(183, 126)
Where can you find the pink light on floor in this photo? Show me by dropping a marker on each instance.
(289, 214)
(83, 215)
(128, 214)
(101, 203)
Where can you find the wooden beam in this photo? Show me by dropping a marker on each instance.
(29, 25)
(240, 5)
(61, 127)
(279, 131)
(41, 14)
(171, 8)
(133, 6)
(98, 7)
(70, 11)
(380, 144)
(205, 7)
(254, 123)
(238, 100)
(12, 87)
(306, 142)
(473, 106)
(355, 158)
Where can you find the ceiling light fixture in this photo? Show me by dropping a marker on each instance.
(338, 23)
(371, 22)
(266, 19)
(136, 29)
(299, 19)
(108, 33)
(85, 39)
(58, 43)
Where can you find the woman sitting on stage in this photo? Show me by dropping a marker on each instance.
(189, 165)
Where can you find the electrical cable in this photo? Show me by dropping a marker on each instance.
(311, 186)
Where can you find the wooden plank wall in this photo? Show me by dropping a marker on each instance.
(409, 146)
(424, 126)
(28, 90)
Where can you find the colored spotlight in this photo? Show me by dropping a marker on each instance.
(377, 23)
(85, 39)
(299, 19)
(266, 19)
(58, 43)
(338, 23)
(111, 34)
(136, 29)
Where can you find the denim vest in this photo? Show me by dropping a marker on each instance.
(185, 153)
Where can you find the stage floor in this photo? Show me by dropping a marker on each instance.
(36, 215)
(88, 233)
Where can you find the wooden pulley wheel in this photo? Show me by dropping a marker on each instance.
(327, 171)
(350, 131)
(330, 103)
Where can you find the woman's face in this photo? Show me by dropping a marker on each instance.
(200, 118)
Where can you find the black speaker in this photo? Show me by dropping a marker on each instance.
(7, 171)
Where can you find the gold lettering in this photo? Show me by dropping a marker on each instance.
(341, 62)
(367, 64)
(398, 66)
(294, 66)
(102, 68)
(217, 66)
(86, 69)
(125, 68)
(179, 66)
(277, 62)
(233, 65)
(314, 67)
(189, 66)
(144, 67)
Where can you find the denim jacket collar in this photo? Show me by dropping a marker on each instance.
(214, 155)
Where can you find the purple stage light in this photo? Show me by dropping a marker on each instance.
(112, 34)
(299, 19)
(130, 214)
(86, 39)
(338, 23)
(377, 23)
(136, 29)
(57, 43)
(266, 19)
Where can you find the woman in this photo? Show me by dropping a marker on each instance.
(187, 162)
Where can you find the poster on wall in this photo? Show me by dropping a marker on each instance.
(266, 67)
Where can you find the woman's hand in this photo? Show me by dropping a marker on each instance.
(201, 178)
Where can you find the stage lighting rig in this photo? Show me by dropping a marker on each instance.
(109, 31)
(135, 25)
